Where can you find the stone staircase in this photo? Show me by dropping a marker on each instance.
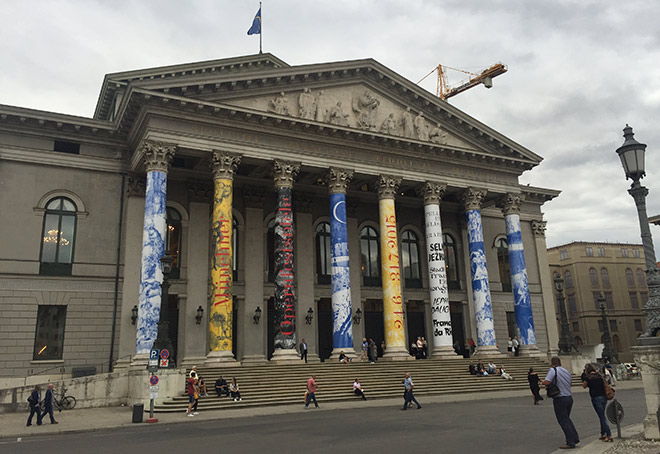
(270, 384)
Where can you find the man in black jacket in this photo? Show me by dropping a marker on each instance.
(49, 401)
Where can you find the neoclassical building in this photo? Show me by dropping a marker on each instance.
(329, 202)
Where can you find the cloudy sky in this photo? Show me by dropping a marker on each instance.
(579, 70)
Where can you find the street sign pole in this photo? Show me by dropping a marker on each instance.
(153, 393)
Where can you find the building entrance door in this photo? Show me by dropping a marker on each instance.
(324, 320)
(457, 330)
(415, 319)
(374, 327)
(270, 320)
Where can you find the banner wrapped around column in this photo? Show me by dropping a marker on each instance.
(221, 307)
(342, 313)
(285, 298)
(522, 301)
(151, 274)
(391, 277)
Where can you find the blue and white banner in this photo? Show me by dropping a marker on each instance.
(342, 321)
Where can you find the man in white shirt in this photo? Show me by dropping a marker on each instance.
(562, 403)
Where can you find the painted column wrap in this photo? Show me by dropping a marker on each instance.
(342, 313)
(151, 274)
(285, 298)
(391, 277)
(442, 333)
(221, 307)
(480, 289)
(522, 301)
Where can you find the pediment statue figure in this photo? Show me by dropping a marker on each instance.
(421, 128)
(366, 109)
(307, 105)
(321, 107)
(437, 135)
(390, 125)
(406, 121)
(279, 105)
(337, 115)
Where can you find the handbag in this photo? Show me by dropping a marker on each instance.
(195, 395)
(609, 391)
(552, 389)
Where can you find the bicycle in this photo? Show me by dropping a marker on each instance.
(65, 402)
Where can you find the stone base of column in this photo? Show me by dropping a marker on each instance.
(488, 351)
(647, 357)
(221, 359)
(334, 356)
(286, 356)
(444, 352)
(188, 362)
(139, 361)
(122, 364)
(396, 354)
(249, 360)
(531, 350)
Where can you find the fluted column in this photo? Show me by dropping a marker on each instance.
(395, 338)
(221, 304)
(157, 158)
(439, 293)
(483, 310)
(284, 173)
(342, 311)
(522, 302)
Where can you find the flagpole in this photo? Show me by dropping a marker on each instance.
(262, 28)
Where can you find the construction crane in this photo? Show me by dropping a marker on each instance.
(444, 91)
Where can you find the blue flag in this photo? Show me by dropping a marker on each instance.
(256, 24)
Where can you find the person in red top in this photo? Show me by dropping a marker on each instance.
(311, 390)
(191, 390)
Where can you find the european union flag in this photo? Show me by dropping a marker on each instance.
(256, 24)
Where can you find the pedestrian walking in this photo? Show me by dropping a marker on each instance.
(191, 390)
(33, 401)
(49, 403)
(596, 383)
(408, 395)
(312, 387)
(357, 389)
(563, 402)
(534, 380)
(303, 350)
(365, 347)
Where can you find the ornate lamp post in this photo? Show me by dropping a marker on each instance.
(566, 341)
(162, 338)
(608, 352)
(632, 159)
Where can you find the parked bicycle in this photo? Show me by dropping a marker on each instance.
(65, 402)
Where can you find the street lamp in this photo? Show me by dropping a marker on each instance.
(609, 352)
(566, 341)
(358, 316)
(632, 159)
(310, 316)
(163, 341)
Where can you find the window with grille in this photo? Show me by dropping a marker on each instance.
(58, 237)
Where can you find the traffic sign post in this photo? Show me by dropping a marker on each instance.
(153, 394)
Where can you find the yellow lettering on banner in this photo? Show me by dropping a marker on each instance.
(221, 311)
(390, 272)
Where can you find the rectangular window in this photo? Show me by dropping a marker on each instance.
(634, 302)
(624, 252)
(49, 336)
(572, 305)
(638, 325)
(609, 300)
(589, 251)
(636, 253)
(601, 326)
(66, 147)
(601, 252)
(613, 325)
(596, 302)
(576, 327)
(563, 254)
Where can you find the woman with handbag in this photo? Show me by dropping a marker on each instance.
(534, 380)
(596, 383)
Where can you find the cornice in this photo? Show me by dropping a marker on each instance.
(52, 158)
(538, 195)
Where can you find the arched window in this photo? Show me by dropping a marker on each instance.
(234, 248)
(630, 278)
(616, 342)
(605, 276)
(568, 279)
(323, 257)
(503, 262)
(173, 240)
(58, 237)
(578, 341)
(593, 274)
(370, 257)
(641, 278)
(410, 258)
(270, 250)
(451, 261)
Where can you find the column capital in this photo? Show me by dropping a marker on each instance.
(223, 164)
(337, 180)
(387, 186)
(432, 192)
(157, 155)
(538, 228)
(199, 191)
(472, 198)
(135, 185)
(510, 203)
(284, 172)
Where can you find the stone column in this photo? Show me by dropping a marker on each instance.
(647, 358)
(285, 298)
(157, 158)
(439, 293)
(342, 311)
(538, 230)
(356, 276)
(522, 302)
(486, 343)
(221, 307)
(395, 336)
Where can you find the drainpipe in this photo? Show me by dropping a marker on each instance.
(116, 296)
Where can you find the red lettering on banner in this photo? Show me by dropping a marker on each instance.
(287, 328)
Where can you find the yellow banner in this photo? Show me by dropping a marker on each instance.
(390, 272)
(221, 311)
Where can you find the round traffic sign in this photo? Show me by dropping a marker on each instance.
(164, 353)
(153, 380)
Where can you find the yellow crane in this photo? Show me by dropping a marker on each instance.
(485, 77)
